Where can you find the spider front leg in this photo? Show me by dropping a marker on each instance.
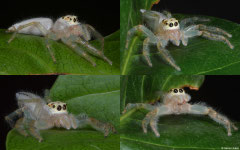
(93, 50)
(106, 128)
(204, 110)
(166, 56)
(152, 119)
(78, 50)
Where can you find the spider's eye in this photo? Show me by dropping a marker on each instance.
(64, 107)
(170, 24)
(53, 106)
(175, 90)
(74, 19)
(176, 24)
(59, 107)
(180, 90)
(71, 19)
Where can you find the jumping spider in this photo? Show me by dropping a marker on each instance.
(67, 29)
(176, 102)
(161, 28)
(35, 114)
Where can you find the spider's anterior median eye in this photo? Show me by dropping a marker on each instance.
(175, 90)
(170, 24)
(74, 19)
(176, 24)
(59, 107)
(180, 90)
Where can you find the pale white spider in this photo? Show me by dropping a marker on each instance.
(161, 28)
(35, 114)
(67, 29)
(176, 102)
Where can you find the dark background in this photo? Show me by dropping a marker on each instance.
(101, 14)
(226, 9)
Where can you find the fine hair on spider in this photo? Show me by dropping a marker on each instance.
(36, 113)
(160, 29)
(67, 29)
(176, 101)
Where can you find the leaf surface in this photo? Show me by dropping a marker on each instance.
(27, 54)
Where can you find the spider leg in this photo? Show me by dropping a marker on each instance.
(194, 30)
(142, 29)
(36, 24)
(166, 56)
(167, 13)
(41, 28)
(131, 106)
(204, 110)
(191, 20)
(65, 122)
(47, 96)
(20, 127)
(217, 37)
(78, 50)
(34, 131)
(146, 51)
(106, 128)
(213, 29)
(152, 119)
(96, 34)
(93, 50)
(12, 117)
(49, 49)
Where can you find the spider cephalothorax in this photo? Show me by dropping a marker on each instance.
(35, 114)
(176, 102)
(161, 29)
(67, 29)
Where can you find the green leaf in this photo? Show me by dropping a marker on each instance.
(27, 54)
(201, 56)
(97, 96)
(176, 131)
(129, 17)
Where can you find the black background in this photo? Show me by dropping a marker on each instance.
(226, 9)
(101, 14)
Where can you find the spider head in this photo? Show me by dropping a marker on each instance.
(70, 19)
(57, 107)
(170, 24)
(178, 95)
